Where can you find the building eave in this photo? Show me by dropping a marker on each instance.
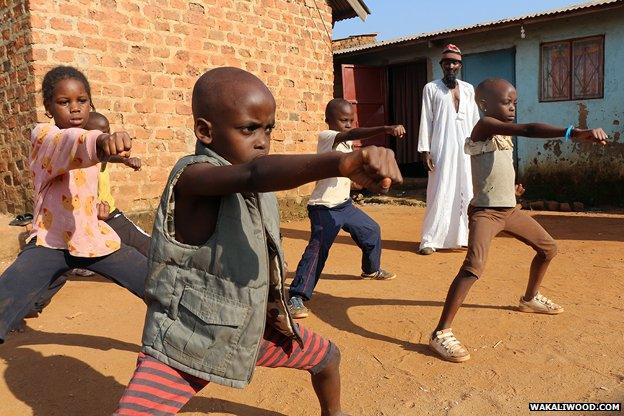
(347, 9)
(577, 9)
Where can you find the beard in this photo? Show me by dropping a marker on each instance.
(450, 80)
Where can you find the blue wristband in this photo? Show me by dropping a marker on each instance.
(568, 133)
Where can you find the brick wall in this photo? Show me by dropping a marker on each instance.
(142, 58)
(17, 106)
(354, 40)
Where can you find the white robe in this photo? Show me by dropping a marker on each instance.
(443, 132)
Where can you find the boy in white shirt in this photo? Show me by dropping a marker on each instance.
(330, 209)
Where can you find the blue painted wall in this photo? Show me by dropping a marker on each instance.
(538, 155)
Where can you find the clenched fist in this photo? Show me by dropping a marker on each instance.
(115, 144)
(374, 168)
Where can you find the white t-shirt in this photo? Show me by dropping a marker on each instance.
(331, 191)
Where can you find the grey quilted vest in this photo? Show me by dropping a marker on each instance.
(208, 304)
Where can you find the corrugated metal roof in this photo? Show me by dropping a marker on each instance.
(343, 9)
(528, 17)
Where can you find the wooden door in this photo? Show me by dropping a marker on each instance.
(365, 87)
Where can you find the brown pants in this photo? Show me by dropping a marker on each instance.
(485, 223)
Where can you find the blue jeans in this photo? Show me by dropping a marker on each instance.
(128, 233)
(38, 270)
(326, 223)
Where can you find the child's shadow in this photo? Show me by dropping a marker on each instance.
(334, 311)
(62, 385)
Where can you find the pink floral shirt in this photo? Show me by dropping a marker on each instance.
(65, 168)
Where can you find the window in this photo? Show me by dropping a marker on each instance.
(572, 69)
(555, 71)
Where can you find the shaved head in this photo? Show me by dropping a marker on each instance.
(234, 114)
(97, 121)
(222, 89)
(497, 98)
(334, 106)
(491, 87)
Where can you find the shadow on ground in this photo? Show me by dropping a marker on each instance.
(60, 385)
(575, 227)
(344, 239)
(333, 310)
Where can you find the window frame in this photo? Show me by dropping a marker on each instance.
(570, 42)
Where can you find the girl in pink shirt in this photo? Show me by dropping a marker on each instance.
(66, 232)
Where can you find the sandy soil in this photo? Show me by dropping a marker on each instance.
(77, 357)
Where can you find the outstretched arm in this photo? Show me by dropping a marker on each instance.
(372, 167)
(131, 162)
(489, 126)
(117, 144)
(364, 133)
(54, 151)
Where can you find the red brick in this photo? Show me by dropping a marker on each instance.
(173, 41)
(162, 82)
(112, 90)
(183, 109)
(112, 31)
(134, 92)
(163, 26)
(140, 22)
(110, 61)
(60, 24)
(64, 56)
(142, 60)
(39, 54)
(87, 28)
(141, 79)
(39, 21)
(134, 36)
(72, 41)
(162, 52)
(171, 15)
(164, 134)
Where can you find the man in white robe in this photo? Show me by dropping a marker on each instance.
(449, 112)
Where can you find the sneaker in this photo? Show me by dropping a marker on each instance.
(539, 304)
(82, 272)
(448, 347)
(380, 274)
(425, 251)
(297, 309)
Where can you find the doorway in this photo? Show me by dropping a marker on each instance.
(389, 95)
(405, 88)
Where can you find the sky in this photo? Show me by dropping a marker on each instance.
(395, 18)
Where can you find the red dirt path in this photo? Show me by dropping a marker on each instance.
(77, 357)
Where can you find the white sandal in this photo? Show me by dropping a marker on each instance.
(539, 304)
(448, 347)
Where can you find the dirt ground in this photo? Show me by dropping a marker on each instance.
(77, 357)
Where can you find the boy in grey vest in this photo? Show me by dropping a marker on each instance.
(215, 288)
(493, 208)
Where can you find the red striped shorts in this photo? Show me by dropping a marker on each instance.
(159, 390)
